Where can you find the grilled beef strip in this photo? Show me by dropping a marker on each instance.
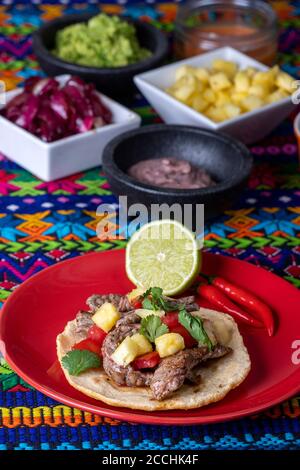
(120, 301)
(188, 302)
(83, 322)
(126, 326)
(173, 370)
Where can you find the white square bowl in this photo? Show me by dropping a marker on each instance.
(50, 161)
(248, 127)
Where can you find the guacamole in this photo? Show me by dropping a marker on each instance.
(104, 41)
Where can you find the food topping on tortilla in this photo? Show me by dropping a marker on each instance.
(152, 327)
(148, 361)
(194, 325)
(106, 316)
(169, 344)
(153, 299)
(130, 348)
(78, 361)
(146, 340)
(122, 302)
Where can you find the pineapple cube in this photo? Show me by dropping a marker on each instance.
(185, 87)
(222, 98)
(236, 97)
(259, 90)
(285, 82)
(252, 102)
(183, 93)
(144, 346)
(277, 96)
(144, 312)
(199, 103)
(135, 293)
(209, 95)
(275, 70)
(225, 66)
(126, 352)
(183, 71)
(219, 81)
(241, 82)
(106, 316)
(264, 78)
(169, 344)
(216, 114)
(232, 110)
(250, 71)
(202, 74)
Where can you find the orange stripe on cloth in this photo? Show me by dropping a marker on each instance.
(51, 416)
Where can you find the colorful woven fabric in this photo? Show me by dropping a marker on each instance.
(44, 223)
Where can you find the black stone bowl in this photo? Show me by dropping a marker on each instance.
(228, 161)
(114, 81)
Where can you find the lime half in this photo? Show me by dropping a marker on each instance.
(163, 254)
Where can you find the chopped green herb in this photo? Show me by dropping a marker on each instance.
(194, 326)
(147, 304)
(152, 327)
(79, 360)
(154, 300)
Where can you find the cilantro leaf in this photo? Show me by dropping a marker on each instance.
(154, 300)
(147, 304)
(147, 292)
(152, 327)
(79, 360)
(194, 326)
(156, 292)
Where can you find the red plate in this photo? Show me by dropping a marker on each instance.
(39, 309)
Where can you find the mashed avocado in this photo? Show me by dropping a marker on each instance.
(104, 41)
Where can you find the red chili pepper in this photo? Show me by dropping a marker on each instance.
(248, 300)
(88, 345)
(221, 301)
(148, 361)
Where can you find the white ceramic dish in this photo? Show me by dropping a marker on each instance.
(248, 127)
(50, 161)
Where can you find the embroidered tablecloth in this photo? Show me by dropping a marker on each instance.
(44, 223)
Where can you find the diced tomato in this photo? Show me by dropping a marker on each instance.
(189, 341)
(55, 371)
(148, 361)
(171, 320)
(97, 334)
(88, 345)
(137, 304)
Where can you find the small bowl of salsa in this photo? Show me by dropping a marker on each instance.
(249, 26)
